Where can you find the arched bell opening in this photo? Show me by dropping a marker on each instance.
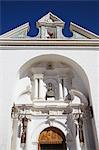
(52, 138)
(56, 65)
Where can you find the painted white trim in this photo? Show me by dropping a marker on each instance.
(48, 42)
(16, 30)
(75, 28)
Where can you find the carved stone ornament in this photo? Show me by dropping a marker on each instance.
(68, 110)
(14, 111)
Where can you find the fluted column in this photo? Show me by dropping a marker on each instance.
(60, 89)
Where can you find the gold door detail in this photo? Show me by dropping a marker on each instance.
(50, 137)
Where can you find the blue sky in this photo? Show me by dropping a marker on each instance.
(17, 12)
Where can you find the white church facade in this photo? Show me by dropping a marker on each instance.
(49, 88)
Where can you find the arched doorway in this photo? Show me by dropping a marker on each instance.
(52, 139)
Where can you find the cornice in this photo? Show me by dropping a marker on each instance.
(25, 27)
(48, 42)
(82, 31)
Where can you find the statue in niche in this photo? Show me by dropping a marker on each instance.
(24, 128)
(50, 93)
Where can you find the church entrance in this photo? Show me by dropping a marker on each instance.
(52, 139)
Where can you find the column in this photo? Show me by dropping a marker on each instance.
(67, 85)
(38, 86)
(88, 131)
(43, 32)
(77, 138)
(18, 135)
(65, 92)
(67, 148)
(14, 135)
(85, 127)
(41, 87)
(71, 136)
(35, 88)
(28, 136)
(59, 32)
(32, 89)
(60, 89)
(34, 83)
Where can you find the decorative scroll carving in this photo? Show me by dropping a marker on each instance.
(79, 94)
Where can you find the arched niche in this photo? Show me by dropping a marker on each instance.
(80, 80)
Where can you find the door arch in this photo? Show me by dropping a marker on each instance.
(52, 138)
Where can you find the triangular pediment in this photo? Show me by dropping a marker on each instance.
(50, 18)
(19, 32)
(50, 26)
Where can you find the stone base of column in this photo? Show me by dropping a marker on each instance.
(35, 99)
(41, 99)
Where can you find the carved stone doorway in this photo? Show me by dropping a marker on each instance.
(52, 139)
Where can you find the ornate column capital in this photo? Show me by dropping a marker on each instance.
(38, 76)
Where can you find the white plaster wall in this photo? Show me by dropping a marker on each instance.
(11, 60)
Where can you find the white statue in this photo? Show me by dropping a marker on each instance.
(50, 93)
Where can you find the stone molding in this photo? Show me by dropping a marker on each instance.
(48, 42)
